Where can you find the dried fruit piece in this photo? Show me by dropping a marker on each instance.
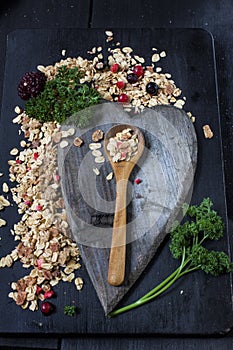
(47, 308)
(97, 135)
(123, 98)
(115, 68)
(78, 142)
(137, 181)
(31, 84)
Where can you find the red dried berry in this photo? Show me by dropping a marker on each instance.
(39, 263)
(39, 207)
(31, 84)
(138, 70)
(115, 68)
(47, 308)
(38, 290)
(137, 181)
(120, 84)
(49, 294)
(123, 98)
(27, 202)
(35, 155)
(18, 161)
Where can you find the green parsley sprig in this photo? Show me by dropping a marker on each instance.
(70, 310)
(186, 244)
(62, 97)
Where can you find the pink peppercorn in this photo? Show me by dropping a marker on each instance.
(18, 161)
(35, 155)
(27, 202)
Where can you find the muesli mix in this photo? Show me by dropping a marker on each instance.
(43, 247)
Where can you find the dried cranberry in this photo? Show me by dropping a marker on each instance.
(115, 68)
(120, 84)
(47, 308)
(49, 294)
(38, 290)
(123, 98)
(138, 70)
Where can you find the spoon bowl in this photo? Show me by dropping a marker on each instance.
(122, 170)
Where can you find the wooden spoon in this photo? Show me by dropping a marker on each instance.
(122, 170)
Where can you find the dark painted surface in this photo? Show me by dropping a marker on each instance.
(213, 15)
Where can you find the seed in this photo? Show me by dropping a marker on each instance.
(18, 110)
(71, 132)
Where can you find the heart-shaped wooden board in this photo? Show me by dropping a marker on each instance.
(166, 171)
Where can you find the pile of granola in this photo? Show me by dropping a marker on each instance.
(42, 232)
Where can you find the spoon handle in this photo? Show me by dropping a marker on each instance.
(116, 267)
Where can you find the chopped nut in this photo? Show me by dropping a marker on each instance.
(96, 171)
(63, 52)
(78, 142)
(109, 176)
(207, 132)
(97, 135)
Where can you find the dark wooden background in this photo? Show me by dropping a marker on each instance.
(213, 15)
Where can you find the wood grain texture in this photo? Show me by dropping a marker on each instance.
(198, 310)
(166, 168)
(98, 343)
